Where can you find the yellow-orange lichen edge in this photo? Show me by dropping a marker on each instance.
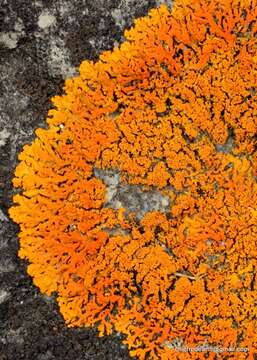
(174, 109)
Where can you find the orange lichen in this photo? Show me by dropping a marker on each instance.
(174, 109)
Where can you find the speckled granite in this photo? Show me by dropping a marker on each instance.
(41, 44)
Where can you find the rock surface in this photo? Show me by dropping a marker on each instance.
(41, 44)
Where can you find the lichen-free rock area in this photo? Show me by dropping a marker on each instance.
(41, 44)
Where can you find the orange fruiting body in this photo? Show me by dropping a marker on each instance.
(174, 109)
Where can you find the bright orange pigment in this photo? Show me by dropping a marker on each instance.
(172, 109)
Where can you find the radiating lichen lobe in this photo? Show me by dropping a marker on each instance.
(172, 110)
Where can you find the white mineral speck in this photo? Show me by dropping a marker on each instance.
(45, 20)
(9, 39)
(3, 296)
(2, 216)
(4, 135)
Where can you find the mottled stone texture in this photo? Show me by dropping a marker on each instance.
(41, 44)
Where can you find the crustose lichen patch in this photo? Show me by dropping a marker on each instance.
(139, 201)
